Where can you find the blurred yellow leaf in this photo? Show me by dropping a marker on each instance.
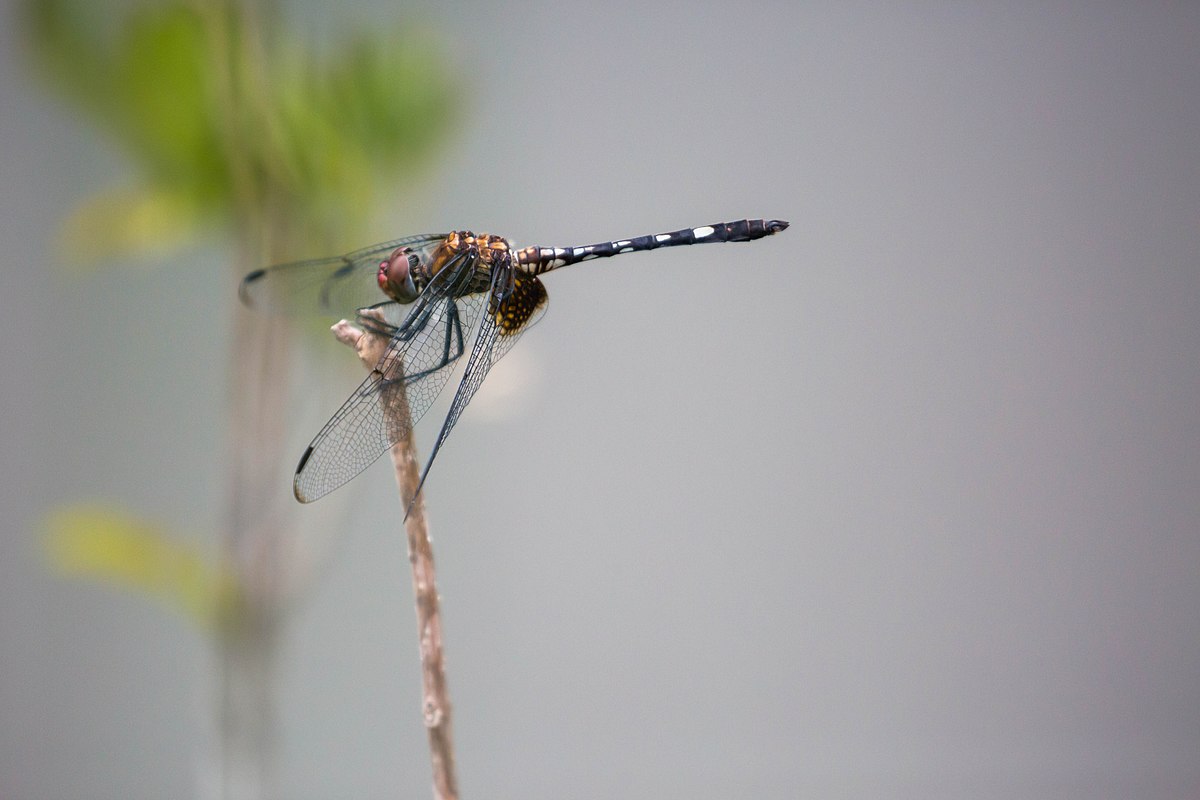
(113, 547)
(125, 222)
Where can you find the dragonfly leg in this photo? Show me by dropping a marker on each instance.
(453, 345)
(370, 324)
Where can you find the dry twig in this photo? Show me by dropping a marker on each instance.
(436, 706)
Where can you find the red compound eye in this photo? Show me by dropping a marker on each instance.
(395, 275)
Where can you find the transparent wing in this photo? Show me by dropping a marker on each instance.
(333, 286)
(498, 332)
(422, 353)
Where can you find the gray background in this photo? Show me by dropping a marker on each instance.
(901, 503)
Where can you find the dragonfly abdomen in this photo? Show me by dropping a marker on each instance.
(536, 260)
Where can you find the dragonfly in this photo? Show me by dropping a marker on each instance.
(454, 285)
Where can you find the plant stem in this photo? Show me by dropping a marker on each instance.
(435, 706)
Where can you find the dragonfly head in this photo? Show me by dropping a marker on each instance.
(395, 275)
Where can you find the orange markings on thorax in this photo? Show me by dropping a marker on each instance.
(490, 248)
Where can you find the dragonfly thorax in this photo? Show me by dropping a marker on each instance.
(490, 249)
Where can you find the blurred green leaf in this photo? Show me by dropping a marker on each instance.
(391, 95)
(64, 44)
(224, 125)
(168, 113)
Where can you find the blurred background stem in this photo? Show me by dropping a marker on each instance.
(236, 124)
(248, 632)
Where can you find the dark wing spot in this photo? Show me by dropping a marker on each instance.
(246, 281)
(527, 296)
